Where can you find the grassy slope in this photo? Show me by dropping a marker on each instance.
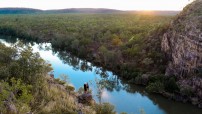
(26, 87)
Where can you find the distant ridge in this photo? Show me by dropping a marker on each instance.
(84, 10)
(18, 10)
(69, 10)
(79, 10)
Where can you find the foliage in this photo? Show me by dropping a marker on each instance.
(57, 80)
(70, 88)
(19, 62)
(81, 90)
(161, 83)
(186, 90)
(104, 108)
(170, 85)
(157, 87)
(64, 78)
(17, 91)
(115, 41)
(127, 44)
(26, 86)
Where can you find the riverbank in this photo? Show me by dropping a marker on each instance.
(155, 86)
(134, 54)
(80, 71)
(26, 86)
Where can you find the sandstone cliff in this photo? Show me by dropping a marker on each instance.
(182, 44)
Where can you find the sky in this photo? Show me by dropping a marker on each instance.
(112, 4)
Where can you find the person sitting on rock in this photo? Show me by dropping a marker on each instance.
(85, 87)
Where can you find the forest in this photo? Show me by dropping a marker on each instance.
(123, 43)
(159, 50)
(114, 41)
(127, 44)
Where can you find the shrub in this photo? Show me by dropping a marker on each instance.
(157, 87)
(186, 90)
(104, 108)
(69, 88)
(57, 80)
(17, 91)
(170, 85)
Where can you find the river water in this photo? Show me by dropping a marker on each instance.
(132, 99)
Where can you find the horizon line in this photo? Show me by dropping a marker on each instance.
(85, 8)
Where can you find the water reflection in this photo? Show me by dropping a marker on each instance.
(126, 97)
(73, 61)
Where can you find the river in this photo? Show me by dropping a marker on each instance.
(125, 97)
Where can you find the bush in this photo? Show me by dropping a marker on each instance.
(19, 92)
(157, 87)
(104, 108)
(69, 88)
(186, 90)
(170, 85)
(57, 80)
(156, 78)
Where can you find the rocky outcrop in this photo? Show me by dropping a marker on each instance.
(182, 43)
(85, 98)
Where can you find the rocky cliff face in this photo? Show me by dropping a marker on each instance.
(182, 43)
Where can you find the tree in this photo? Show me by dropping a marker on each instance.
(75, 44)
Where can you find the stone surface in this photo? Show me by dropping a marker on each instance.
(182, 44)
(85, 98)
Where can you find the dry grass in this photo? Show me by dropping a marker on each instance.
(53, 98)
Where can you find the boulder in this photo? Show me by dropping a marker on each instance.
(85, 98)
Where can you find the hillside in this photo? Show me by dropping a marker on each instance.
(26, 86)
(182, 44)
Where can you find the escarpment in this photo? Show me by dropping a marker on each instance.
(182, 43)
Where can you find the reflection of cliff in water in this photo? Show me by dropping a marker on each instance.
(112, 82)
(170, 106)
